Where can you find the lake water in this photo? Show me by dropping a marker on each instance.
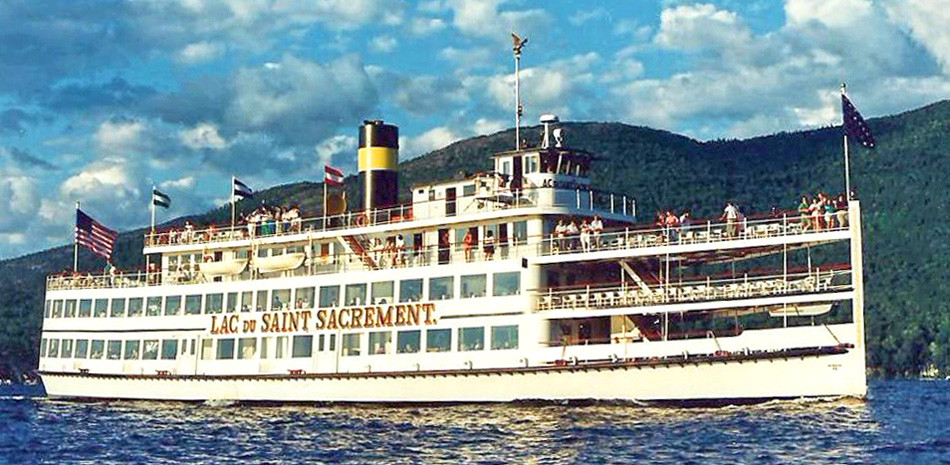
(901, 422)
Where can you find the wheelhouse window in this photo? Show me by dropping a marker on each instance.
(473, 285)
(169, 349)
(214, 303)
(82, 348)
(58, 309)
(355, 294)
(304, 297)
(504, 337)
(506, 283)
(519, 232)
(118, 308)
(46, 311)
(173, 305)
(410, 290)
(438, 340)
(380, 342)
(70, 309)
(382, 292)
(225, 349)
(131, 350)
(97, 349)
(43, 343)
(114, 350)
(442, 288)
(153, 307)
(351, 344)
(280, 299)
(407, 342)
(150, 349)
(329, 296)
(135, 306)
(471, 339)
(66, 348)
(85, 308)
(303, 346)
(101, 308)
(193, 305)
(247, 348)
(53, 348)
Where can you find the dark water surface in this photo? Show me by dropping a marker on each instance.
(901, 422)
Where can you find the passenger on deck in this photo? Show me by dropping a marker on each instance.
(400, 250)
(585, 236)
(841, 211)
(488, 245)
(467, 242)
(803, 208)
(684, 220)
(596, 227)
(559, 232)
(731, 216)
(815, 210)
(572, 235)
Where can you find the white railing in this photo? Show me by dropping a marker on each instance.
(589, 298)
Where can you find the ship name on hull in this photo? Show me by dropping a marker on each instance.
(377, 316)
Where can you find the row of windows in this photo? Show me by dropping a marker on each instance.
(382, 292)
(377, 343)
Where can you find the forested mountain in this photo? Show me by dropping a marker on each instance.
(901, 184)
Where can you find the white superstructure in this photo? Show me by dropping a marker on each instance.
(411, 303)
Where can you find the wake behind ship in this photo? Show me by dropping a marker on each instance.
(521, 282)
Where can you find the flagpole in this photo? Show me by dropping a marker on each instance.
(324, 201)
(847, 161)
(76, 246)
(232, 202)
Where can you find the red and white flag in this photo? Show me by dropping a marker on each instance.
(332, 176)
(94, 236)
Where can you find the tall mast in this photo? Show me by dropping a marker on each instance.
(518, 43)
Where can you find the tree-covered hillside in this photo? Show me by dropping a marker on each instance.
(901, 185)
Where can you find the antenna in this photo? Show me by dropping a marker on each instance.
(517, 44)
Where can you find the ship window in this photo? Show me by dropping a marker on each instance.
(506, 283)
(332, 345)
(303, 346)
(519, 232)
(82, 348)
(232, 304)
(193, 305)
(506, 167)
(153, 308)
(410, 290)
(66, 348)
(468, 190)
(225, 349)
(247, 348)
(85, 308)
(281, 346)
(46, 311)
(114, 350)
(380, 342)
(150, 349)
(355, 294)
(53, 348)
(191, 346)
(101, 308)
(214, 303)
(531, 164)
(247, 301)
(97, 348)
(407, 342)
(351, 344)
(261, 300)
(471, 339)
(431, 194)
(280, 299)
(58, 309)
(118, 308)
(382, 292)
(329, 296)
(135, 306)
(438, 340)
(321, 342)
(304, 297)
(504, 337)
(173, 305)
(265, 343)
(207, 349)
(43, 344)
(70, 310)
(441, 288)
(131, 350)
(473, 285)
(169, 349)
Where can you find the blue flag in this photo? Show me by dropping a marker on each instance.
(855, 125)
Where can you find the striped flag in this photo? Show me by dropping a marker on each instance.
(241, 190)
(854, 124)
(332, 176)
(160, 199)
(94, 236)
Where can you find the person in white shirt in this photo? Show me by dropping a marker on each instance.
(596, 227)
(731, 215)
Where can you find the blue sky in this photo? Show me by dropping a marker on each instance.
(100, 100)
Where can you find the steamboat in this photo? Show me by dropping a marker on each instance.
(475, 291)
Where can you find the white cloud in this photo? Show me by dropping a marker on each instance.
(928, 22)
(468, 58)
(485, 126)
(187, 182)
(550, 88)
(202, 136)
(833, 13)
(580, 17)
(426, 26)
(483, 18)
(18, 201)
(331, 147)
(383, 44)
(702, 26)
(199, 52)
(120, 136)
(433, 139)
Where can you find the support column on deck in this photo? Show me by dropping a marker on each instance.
(857, 281)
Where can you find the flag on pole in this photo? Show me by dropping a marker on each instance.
(160, 199)
(94, 236)
(332, 176)
(855, 125)
(241, 190)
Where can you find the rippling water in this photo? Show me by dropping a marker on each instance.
(901, 422)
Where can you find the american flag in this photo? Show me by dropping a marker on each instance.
(332, 176)
(94, 236)
(854, 124)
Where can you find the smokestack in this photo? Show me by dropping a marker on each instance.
(378, 165)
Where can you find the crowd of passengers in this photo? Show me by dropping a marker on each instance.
(262, 221)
